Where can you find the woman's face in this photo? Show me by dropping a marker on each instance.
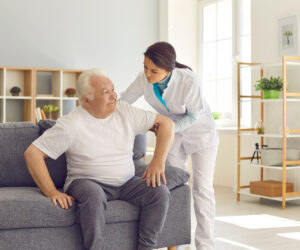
(152, 72)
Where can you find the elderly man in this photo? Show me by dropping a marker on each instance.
(97, 138)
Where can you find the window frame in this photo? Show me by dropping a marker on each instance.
(235, 53)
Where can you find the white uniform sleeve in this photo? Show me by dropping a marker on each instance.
(141, 120)
(54, 142)
(134, 91)
(188, 120)
(195, 102)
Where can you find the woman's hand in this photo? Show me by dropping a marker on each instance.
(154, 172)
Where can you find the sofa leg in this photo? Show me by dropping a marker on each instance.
(172, 248)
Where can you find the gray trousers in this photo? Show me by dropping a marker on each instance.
(92, 198)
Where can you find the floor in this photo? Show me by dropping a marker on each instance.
(253, 223)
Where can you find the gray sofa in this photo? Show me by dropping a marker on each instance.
(29, 221)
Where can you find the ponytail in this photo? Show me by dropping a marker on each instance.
(163, 55)
(182, 66)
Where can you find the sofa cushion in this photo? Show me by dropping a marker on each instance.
(58, 167)
(174, 176)
(26, 207)
(139, 146)
(15, 138)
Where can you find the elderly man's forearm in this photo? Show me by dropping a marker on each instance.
(39, 172)
(164, 140)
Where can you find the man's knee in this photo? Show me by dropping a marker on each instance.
(162, 194)
(92, 194)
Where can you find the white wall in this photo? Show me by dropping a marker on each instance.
(265, 38)
(178, 25)
(79, 34)
(265, 48)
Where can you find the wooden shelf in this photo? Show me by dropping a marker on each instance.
(289, 167)
(269, 135)
(281, 69)
(39, 87)
(18, 97)
(280, 100)
(246, 191)
(47, 98)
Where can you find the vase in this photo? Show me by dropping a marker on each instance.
(271, 94)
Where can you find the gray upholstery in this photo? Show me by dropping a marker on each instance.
(15, 138)
(121, 235)
(174, 176)
(29, 220)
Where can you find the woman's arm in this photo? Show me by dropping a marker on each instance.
(134, 91)
(188, 120)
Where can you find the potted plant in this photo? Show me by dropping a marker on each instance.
(260, 127)
(216, 115)
(70, 92)
(271, 87)
(15, 91)
(51, 110)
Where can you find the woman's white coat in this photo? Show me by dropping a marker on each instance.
(183, 94)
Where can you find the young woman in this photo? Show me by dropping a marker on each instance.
(174, 90)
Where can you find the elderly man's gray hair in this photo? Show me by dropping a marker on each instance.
(83, 83)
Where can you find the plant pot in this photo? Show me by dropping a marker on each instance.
(271, 94)
(15, 94)
(52, 115)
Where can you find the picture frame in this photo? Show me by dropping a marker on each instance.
(288, 35)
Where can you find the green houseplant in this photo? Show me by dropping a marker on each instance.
(52, 111)
(271, 87)
(216, 115)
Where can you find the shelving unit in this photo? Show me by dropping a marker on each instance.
(287, 97)
(39, 87)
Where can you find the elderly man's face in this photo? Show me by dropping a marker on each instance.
(105, 97)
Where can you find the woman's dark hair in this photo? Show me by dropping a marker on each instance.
(163, 55)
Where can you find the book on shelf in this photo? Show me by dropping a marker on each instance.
(38, 114)
(43, 114)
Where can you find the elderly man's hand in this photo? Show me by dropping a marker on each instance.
(64, 200)
(153, 173)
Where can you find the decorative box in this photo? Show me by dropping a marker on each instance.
(269, 188)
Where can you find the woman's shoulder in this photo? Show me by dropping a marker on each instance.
(141, 76)
(186, 75)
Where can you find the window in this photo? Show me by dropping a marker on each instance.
(225, 34)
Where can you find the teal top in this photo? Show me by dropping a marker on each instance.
(163, 84)
(159, 88)
(188, 119)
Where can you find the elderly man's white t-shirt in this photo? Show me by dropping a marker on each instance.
(99, 149)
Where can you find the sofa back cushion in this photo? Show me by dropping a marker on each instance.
(15, 138)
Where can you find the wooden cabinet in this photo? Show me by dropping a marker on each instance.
(38, 87)
(284, 121)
